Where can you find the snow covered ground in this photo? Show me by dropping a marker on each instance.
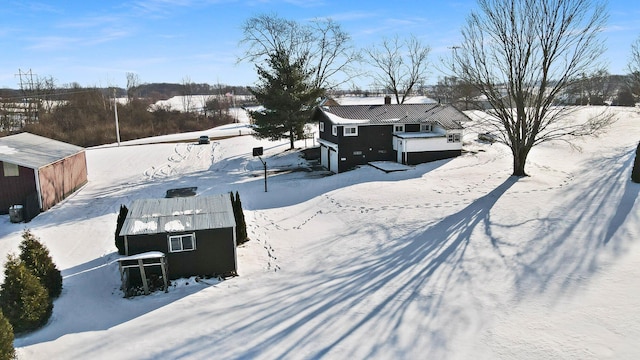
(448, 260)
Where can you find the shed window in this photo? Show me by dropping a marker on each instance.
(321, 126)
(426, 127)
(10, 169)
(185, 242)
(398, 128)
(350, 131)
(453, 138)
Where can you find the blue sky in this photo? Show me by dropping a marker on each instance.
(95, 43)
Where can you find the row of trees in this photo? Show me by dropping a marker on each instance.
(31, 283)
(86, 117)
(521, 56)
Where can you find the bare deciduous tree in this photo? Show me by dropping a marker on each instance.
(325, 46)
(399, 64)
(634, 68)
(133, 83)
(522, 54)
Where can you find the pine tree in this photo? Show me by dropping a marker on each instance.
(241, 225)
(119, 223)
(35, 256)
(7, 350)
(635, 173)
(24, 301)
(285, 90)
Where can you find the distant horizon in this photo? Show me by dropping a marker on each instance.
(177, 41)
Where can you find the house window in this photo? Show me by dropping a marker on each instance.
(398, 128)
(185, 242)
(10, 169)
(453, 138)
(426, 127)
(322, 126)
(334, 130)
(350, 131)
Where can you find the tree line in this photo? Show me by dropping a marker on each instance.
(85, 116)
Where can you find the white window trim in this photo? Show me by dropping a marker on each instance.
(354, 133)
(181, 237)
(321, 126)
(401, 126)
(334, 130)
(426, 127)
(10, 170)
(453, 138)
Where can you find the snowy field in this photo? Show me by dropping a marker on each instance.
(448, 260)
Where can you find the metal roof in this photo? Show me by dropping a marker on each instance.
(179, 214)
(447, 116)
(33, 151)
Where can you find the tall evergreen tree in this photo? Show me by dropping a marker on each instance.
(285, 90)
(7, 351)
(24, 301)
(119, 223)
(35, 256)
(241, 225)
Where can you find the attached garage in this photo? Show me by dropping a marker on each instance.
(38, 172)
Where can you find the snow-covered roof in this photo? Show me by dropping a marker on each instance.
(447, 116)
(33, 151)
(166, 215)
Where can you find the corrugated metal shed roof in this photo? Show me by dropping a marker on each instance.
(447, 116)
(33, 151)
(166, 215)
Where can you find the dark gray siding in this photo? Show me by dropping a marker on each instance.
(373, 143)
(214, 253)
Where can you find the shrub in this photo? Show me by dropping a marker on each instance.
(24, 301)
(6, 339)
(238, 214)
(120, 239)
(35, 256)
(635, 173)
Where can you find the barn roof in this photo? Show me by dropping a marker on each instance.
(447, 116)
(33, 151)
(179, 214)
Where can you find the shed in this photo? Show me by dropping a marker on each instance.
(39, 168)
(196, 233)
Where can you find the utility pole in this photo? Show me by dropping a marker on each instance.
(27, 88)
(115, 110)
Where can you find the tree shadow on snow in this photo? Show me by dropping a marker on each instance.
(585, 234)
(370, 301)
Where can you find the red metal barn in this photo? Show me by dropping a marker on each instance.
(39, 168)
